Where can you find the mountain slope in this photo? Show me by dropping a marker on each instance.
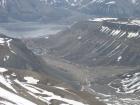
(15, 54)
(115, 8)
(71, 4)
(31, 88)
(59, 10)
(26, 80)
(29, 10)
(96, 41)
(106, 49)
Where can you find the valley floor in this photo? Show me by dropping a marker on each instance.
(83, 78)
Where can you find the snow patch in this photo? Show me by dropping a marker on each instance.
(45, 95)
(13, 74)
(31, 80)
(102, 19)
(3, 70)
(2, 41)
(14, 98)
(2, 3)
(119, 58)
(6, 82)
(111, 2)
(6, 58)
(130, 84)
(132, 34)
(47, 37)
(79, 37)
(134, 1)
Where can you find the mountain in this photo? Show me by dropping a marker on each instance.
(62, 10)
(19, 87)
(96, 41)
(113, 8)
(103, 51)
(26, 80)
(15, 54)
(71, 4)
(30, 10)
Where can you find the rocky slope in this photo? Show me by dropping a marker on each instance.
(109, 46)
(13, 53)
(26, 80)
(96, 41)
(31, 88)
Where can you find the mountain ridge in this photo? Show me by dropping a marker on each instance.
(53, 11)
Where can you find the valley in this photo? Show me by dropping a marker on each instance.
(87, 56)
(69, 52)
(87, 79)
(25, 79)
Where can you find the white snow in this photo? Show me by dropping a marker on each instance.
(12, 52)
(3, 70)
(137, 22)
(102, 19)
(2, 41)
(111, 2)
(61, 88)
(45, 95)
(132, 34)
(31, 80)
(9, 46)
(120, 33)
(14, 98)
(119, 58)
(130, 84)
(105, 29)
(6, 80)
(3, 3)
(114, 51)
(72, 4)
(6, 103)
(79, 37)
(116, 100)
(116, 32)
(134, 1)
(64, 89)
(8, 43)
(10, 95)
(6, 58)
(13, 74)
(47, 37)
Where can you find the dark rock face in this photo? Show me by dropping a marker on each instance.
(14, 54)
